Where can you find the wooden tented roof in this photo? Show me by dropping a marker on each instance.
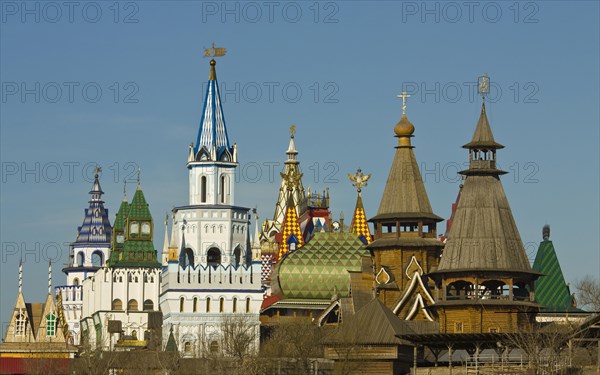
(484, 235)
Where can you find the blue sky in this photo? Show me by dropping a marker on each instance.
(122, 86)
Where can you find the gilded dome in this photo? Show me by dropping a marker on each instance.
(404, 127)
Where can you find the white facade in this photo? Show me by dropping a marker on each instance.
(125, 294)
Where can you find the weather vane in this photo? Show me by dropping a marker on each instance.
(98, 170)
(483, 87)
(214, 51)
(359, 179)
(404, 95)
(292, 130)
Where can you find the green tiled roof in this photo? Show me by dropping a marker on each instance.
(135, 252)
(551, 290)
(318, 270)
(121, 215)
(138, 209)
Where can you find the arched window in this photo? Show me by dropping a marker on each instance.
(51, 325)
(148, 305)
(214, 347)
(237, 253)
(76, 281)
(221, 304)
(181, 302)
(21, 325)
(203, 189)
(187, 258)
(117, 304)
(234, 304)
(213, 257)
(195, 305)
(132, 305)
(248, 305)
(80, 258)
(187, 347)
(208, 305)
(134, 334)
(222, 189)
(97, 259)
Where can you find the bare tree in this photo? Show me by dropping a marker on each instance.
(588, 293)
(294, 343)
(239, 335)
(546, 346)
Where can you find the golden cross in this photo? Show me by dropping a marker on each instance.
(292, 130)
(404, 95)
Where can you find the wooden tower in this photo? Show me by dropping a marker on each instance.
(484, 283)
(405, 246)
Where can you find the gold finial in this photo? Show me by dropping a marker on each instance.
(292, 130)
(404, 95)
(98, 170)
(292, 179)
(214, 52)
(359, 179)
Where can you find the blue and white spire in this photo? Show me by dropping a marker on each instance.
(96, 224)
(212, 162)
(212, 142)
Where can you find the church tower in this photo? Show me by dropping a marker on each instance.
(88, 253)
(484, 281)
(405, 246)
(209, 276)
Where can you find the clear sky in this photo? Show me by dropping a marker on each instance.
(122, 86)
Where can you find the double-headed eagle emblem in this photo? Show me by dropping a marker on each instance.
(359, 179)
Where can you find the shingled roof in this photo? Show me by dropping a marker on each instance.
(484, 235)
(374, 324)
(483, 136)
(404, 194)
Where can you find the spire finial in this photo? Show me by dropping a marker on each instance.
(546, 232)
(483, 87)
(139, 172)
(359, 179)
(49, 277)
(292, 130)
(97, 171)
(124, 189)
(404, 95)
(21, 275)
(214, 52)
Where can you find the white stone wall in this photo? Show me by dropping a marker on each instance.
(125, 284)
(203, 227)
(213, 173)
